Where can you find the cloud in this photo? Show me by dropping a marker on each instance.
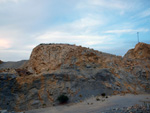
(126, 31)
(14, 55)
(64, 37)
(4, 43)
(86, 22)
(30, 47)
(9, 37)
(141, 14)
(109, 4)
(102, 24)
(84, 25)
(120, 6)
(145, 13)
(4, 1)
(82, 31)
(104, 43)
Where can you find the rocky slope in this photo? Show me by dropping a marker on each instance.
(78, 72)
(141, 51)
(12, 65)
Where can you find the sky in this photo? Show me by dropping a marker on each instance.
(109, 26)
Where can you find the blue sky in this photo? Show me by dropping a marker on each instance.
(106, 25)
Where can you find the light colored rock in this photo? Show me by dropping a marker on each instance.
(52, 57)
(140, 51)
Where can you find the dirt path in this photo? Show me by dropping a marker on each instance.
(93, 106)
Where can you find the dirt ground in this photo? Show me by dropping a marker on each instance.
(91, 105)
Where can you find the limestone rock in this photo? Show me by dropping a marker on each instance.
(140, 51)
(52, 57)
(78, 72)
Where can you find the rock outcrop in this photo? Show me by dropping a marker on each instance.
(141, 51)
(78, 72)
(61, 57)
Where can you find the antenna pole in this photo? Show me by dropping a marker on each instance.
(138, 36)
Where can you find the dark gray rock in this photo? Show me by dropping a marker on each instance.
(104, 75)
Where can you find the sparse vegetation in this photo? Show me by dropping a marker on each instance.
(80, 96)
(63, 99)
(97, 99)
(44, 105)
(103, 94)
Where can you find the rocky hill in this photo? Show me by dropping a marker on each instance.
(78, 72)
(141, 51)
(12, 65)
(49, 58)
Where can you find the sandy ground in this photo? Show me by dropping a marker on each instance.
(92, 106)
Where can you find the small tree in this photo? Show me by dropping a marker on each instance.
(103, 94)
(63, 99)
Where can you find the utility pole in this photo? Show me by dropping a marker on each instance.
(138, 36)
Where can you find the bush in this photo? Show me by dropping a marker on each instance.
(44, 105)
(103, 94)
(80, 96)
(63, 99)
(97, 99)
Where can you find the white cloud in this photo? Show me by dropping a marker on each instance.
(14, 55)
(120, 5)
(86, 22)
(9, 37)
(30, 47)
(15, 51)
(84, 25)
(142, 14)
(64, 37)
(126, 31)
(26, 23)
(115, 4)
(16, 1)
(145, 13)
(4, 43)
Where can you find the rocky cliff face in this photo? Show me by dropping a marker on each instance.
(78, 72)
(59, 57)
